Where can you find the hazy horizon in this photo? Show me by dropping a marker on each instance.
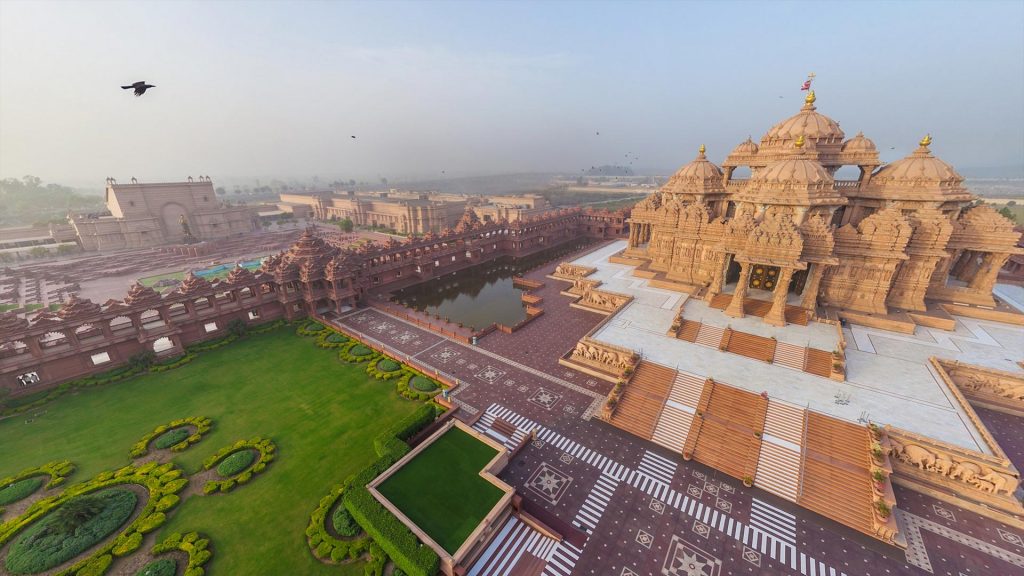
(442, 90)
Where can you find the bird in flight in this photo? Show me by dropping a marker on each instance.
(353, 137)
(140, 87)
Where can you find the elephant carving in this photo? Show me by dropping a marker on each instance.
(918, 456)
(965, 471)
(942, 465)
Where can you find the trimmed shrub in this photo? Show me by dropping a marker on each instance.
(360, 350)
(161, 567)
(168, 439)
(73, 528)
(423, 384)
(336, 338)
(236, 463)
(58, 470)
(343, 522)
(388, 365)
(311, 328)
(192, 544)
(20, 489)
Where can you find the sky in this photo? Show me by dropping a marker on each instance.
(276, 90)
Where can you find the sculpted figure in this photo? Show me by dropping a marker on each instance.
(942, 465)
(965, 471)
(989, 476)
(918, 456)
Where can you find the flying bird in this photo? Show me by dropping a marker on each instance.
(140, 87)
(353, 137)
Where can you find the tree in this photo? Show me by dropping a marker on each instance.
(237, 327)
(39, 252)
(1005, 211)
(346, 225)
(1011, 203)
(220, 191)
(65, 249)
(143, 360)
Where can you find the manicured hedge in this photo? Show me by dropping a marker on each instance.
(310, 328)
(161, 567)
(324, 545)
(202, 425)
(235, 463)
(356, 352)
(46, 544)
(170, 438)
(331, 339)
(58, 471)
(19, 490)
(265, 449)
(396, 540)
(195, 545)
(406, 386)
(388, 365)
(161, 480)
(360, 350)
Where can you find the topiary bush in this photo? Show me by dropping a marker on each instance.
(423, 384)
(343, 522)
(20, 489)
(311, 328)
(360, 350)
(71, 529)
(170, 438)
(161, 567)
(58, 471)
(236, 463)
(388, 365)
(193, 544)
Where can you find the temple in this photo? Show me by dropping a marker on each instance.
(900, 236)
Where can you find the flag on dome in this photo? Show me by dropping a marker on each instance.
(807, 83)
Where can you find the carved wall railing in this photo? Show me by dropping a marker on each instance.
(570, 272)
(991, 480)
(990, 441)
(987, 387)
(606, 361)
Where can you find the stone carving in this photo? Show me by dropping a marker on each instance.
(572, 271)
(617, 359)
(601, 300)
(933, 459)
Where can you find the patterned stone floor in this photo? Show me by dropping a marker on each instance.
(1008, 432)
(640, 510)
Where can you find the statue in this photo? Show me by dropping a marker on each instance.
(189, 238)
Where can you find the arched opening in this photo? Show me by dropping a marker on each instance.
(732, 274)
(177, 309)
(11, 349)
(120, 323)
(53, 339)
(245, 292)
(162, 345)
(86, 331)
(847, 173)
(200, 304)
(151, 319)
(741, 173)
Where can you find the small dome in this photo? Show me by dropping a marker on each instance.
(921, 168)
(746, 147)
(807, 123)
(859, 143)
(697, 177)
(139, 294)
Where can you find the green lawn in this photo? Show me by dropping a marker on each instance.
(322, 413)
(150, 280)
(441, 489)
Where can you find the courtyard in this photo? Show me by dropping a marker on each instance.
(441, 490)
(322, 414)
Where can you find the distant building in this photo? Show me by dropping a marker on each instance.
(143, 215)
(414, 212)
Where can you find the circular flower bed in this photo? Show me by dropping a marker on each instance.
(172, 430)
(69, 530)
(170, 438)
(18, 490)
(423, 384)
(236, 463)
(360, 350)
(161, 567)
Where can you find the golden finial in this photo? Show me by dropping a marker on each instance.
(926, 140)
(701, 150)
(799, 142)
(810, 98)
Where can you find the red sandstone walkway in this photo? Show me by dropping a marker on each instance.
(633, 532)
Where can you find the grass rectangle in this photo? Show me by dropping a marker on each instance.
(441, 489)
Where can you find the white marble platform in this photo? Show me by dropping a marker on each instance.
(889, 379)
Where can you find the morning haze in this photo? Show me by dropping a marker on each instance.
(271, 90)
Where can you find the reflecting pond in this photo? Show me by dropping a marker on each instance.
(483, 294)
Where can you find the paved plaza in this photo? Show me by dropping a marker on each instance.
(629, 507)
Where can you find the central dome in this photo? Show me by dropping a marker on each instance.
(807, 123)
(799, 169)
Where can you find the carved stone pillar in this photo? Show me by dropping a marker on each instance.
(971, 268)
(777, 314)
(985, 277)
(810, 296)
(718, 280)
(735, 308)
(34, 347)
